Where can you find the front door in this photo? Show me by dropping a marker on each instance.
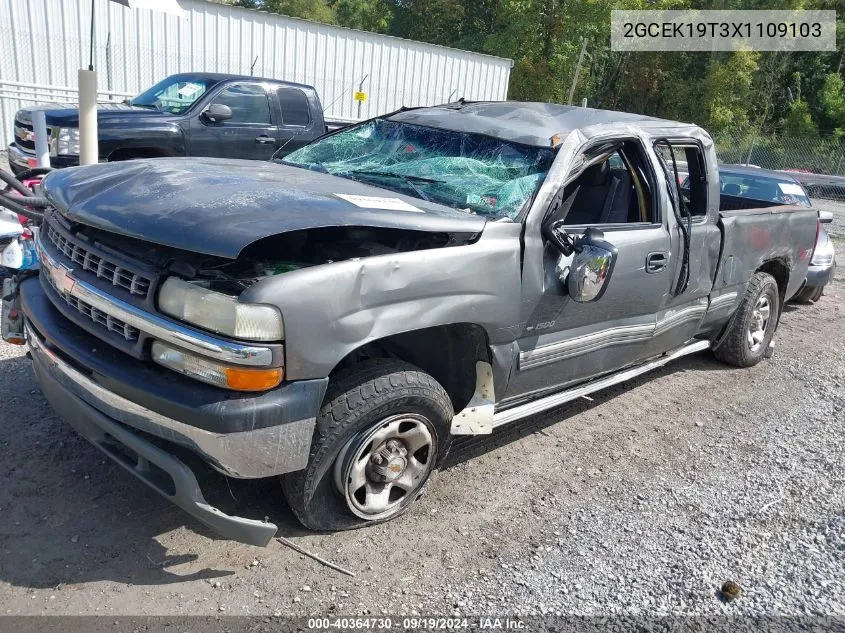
(250, 133)
(565, 341)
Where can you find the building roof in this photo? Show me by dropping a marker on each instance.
(518, 122)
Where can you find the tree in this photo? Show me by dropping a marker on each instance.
(736, 93)
(799, 121)
(832, 99)
(367, 15)
(314, 10)
(728, 92)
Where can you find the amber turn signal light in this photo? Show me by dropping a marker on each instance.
(253, 379)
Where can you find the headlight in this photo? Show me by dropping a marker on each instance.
(823, 255)
(67, 141)
(228, 377)
(220, 313)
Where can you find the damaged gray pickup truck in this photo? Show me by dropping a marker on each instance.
(338, 316)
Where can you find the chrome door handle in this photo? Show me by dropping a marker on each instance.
(264, 139)
(655, 262)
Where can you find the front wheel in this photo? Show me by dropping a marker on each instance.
(382, 431)
(750, 332)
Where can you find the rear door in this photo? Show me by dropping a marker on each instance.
(251, 133)
(688, 303)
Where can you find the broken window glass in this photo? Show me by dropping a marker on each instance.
(474, 172)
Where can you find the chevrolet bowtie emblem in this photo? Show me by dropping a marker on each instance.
(24, 135)
(59, 275)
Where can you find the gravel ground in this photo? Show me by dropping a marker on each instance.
(837, 227)
(642, 501)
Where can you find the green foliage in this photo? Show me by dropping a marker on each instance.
(315, 10)
(832, 99)
(728, 89)
(366, 15)
(799, 121)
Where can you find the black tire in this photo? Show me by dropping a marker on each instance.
(734, 348)
(359, 399)
(809, 295)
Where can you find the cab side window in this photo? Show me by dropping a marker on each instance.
(248, 102)
(692, 173)
(294, 103)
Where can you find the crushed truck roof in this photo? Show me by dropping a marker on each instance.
(518, 122)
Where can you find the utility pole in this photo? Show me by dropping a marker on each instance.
(577, 70)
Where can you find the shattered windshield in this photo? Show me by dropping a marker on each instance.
(478, 173)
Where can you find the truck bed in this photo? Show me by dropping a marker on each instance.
(755, 232)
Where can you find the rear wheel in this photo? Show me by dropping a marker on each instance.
(752, 328)
(382, 431)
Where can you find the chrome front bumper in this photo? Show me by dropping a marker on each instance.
(163, 472)
(19, 158)
(258, 453)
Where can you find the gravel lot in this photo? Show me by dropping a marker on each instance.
(837, 227)
(641, 501)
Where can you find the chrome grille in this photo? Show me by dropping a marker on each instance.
(112, 324)
(23, 135)
(77, 253)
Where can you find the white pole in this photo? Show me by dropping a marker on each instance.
(42, 144)
(88, 149)
(577, 70)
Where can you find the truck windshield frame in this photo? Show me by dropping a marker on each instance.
(175, 94)
(476, 173)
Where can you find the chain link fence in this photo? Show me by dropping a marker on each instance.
(817, 163)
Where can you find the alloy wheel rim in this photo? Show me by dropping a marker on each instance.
(381, 470)
(756, 333)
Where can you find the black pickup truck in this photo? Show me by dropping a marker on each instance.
(190, 114)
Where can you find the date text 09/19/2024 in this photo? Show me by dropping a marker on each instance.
(416, 623)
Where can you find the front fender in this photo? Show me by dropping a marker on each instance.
(332, 309)
(167, 138)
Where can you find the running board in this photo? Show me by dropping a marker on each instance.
(538, 406)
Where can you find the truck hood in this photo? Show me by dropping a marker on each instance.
(108, 114)
(220, 206)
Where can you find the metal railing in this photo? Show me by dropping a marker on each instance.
(39, 92)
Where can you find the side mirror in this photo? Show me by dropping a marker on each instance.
(825, 217)
(560, 239)
(217, 113)
(591, 266)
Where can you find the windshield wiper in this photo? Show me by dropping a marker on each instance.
(388, 174)
(151, 106)
(404, 177)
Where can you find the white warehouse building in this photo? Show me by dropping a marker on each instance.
(44, 42)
